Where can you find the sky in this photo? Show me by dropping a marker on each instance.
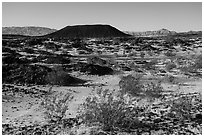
(126, 16)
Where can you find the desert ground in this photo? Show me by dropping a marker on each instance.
(39, 73)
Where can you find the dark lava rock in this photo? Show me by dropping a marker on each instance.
(125, 68)
(63, 79)
(97, 70)
(96, 61)
(57, 60)
(197, 118)
(14, 58)
(25, 74)
(158, 120)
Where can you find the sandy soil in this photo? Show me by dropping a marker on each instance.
(25, 109)
(20, 111)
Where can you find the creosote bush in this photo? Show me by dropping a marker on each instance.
(183, 106)
(170, 54)
(133, 86)
(193, 65)
(56, 106)
(198, 62)
(112, 112)
(130, 84)
(153, 90)
(170, 66)
(150, 65)
(170, 78)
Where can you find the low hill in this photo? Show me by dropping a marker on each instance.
(88, 31)
(161, 32)
(190, 34)
(27, 31)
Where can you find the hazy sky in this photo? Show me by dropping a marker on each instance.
(124, 16)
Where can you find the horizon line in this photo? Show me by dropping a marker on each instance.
(100, 24)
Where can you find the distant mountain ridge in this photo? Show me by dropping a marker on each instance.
(27, 31)
(88, 31)
(161, 32)
(85, 31)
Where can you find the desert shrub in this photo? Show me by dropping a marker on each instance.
(56, 106)
(169, 54)
(151, 65)
(183, 106)
(170, 66)
(117, 113)
(110, 111)
(170, 78)
(198, 62)
(133, 86)
(150, 53)
(111, 62)
(153, 90)
(142, 54)
(130, 84)
(187, 69)
(186, 111)
(193, 65)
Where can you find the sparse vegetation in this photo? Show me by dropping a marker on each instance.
(142, 86)
(110, 111)
(198, 62)
(150, 65)
(56, 106)
(194, 67)
(133, 86)
(170, 66)
(59, 77)
(170, 54)
(170, 79)
(115, 113)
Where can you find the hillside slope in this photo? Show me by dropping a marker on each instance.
(28, 31)
(161, 32)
